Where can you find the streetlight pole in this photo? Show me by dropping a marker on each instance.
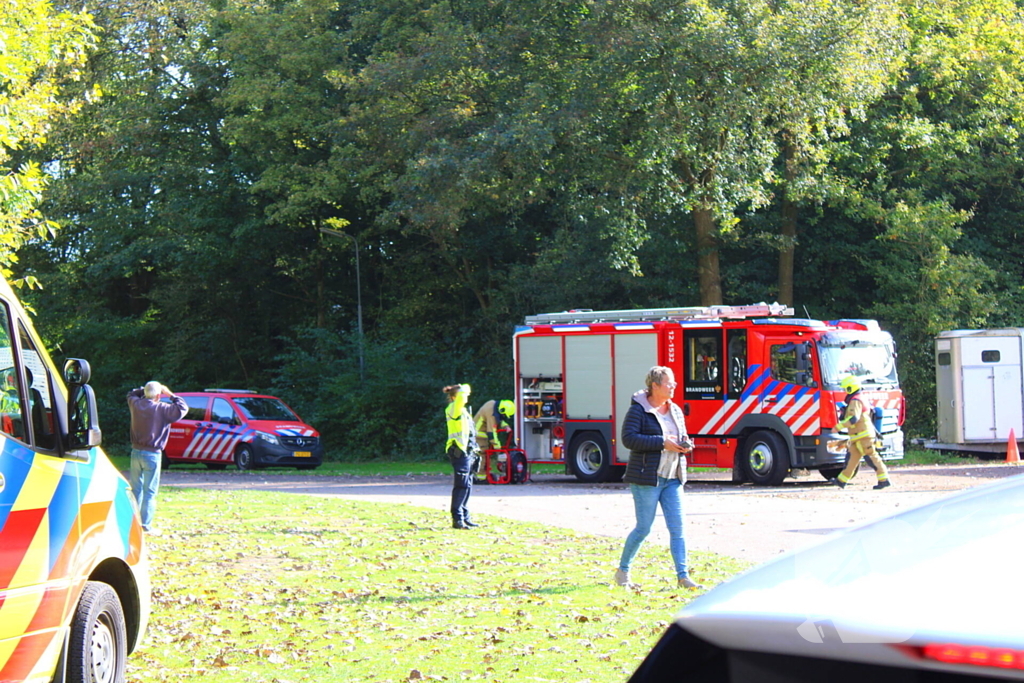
(359, 299)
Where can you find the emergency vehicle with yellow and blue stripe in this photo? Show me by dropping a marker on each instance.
(74, 582)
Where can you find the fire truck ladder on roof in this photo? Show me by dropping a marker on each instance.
(655, 314)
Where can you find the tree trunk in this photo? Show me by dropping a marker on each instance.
(321, 293)
(787, 250)
(707, 257)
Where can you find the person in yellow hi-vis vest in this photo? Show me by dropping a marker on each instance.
(857, 421)
(461, 448)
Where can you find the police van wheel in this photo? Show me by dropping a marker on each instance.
(589, 456)
(765, 458)
(244, 459)
(97, 648)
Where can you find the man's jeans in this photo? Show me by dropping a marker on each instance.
(668, 493)
(145, 480)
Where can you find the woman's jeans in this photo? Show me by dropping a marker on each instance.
(669, 493)
(144, 477)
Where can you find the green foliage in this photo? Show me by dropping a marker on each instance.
(494, 160)
(256, 586)
(395, 411)
(925, 289)
(41, 49)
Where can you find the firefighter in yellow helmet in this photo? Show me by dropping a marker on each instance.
(461, 448)
(857, 421)
(491, 417)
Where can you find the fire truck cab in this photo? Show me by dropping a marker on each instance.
(759, 389)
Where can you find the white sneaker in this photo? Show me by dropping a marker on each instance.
(622, 578)
(687, 582)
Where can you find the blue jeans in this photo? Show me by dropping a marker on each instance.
(669, 493)
(145, 480)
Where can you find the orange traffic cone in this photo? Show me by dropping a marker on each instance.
(1012, 453)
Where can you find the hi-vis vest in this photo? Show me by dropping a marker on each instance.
(460, 424)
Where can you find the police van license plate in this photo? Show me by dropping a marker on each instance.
(302, 454)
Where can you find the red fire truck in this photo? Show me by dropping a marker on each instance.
(760, 389)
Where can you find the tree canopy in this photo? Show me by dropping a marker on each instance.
(492, 160)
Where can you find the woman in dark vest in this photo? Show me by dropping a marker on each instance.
(654, 431)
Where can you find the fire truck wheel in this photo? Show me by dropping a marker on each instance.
(590, 459)
(244, 459)
(765, 458)
(97, 646)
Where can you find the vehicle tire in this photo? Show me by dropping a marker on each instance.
(590, 458)
(244, 458)
(98, 643)
(766, 458)
(216, 465)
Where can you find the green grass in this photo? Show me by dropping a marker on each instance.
(381, 468)
(926, 456)
(264, 587)
(375, 468)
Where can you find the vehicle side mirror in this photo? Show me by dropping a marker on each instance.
(77, 371)
(83, 418)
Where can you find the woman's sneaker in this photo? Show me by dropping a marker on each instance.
(622, 578)
(687, 582)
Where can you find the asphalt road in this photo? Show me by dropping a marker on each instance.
(743, 521)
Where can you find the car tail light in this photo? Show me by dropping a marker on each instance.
(951, 653)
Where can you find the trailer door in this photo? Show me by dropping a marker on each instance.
(991, 388)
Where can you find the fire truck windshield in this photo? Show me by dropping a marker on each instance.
(870, 358)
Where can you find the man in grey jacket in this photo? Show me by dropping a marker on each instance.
(151, 427)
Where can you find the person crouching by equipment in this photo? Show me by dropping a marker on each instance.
(491, 417)
(461, 449)
(857, 421)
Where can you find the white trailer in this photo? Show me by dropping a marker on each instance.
(979, 388)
